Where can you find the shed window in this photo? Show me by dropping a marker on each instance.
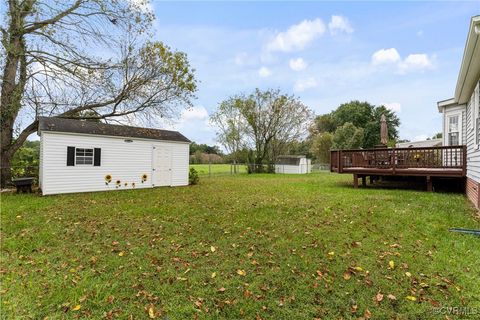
(83, 156)
(453, 131)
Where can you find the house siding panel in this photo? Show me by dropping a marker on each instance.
(473, 152)
(126, 162)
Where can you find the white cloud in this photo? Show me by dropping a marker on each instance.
(297, 64)
(304, 84)
(385, 56)
(194, 113)
(298, 36)
(415, 62)
(393, 106)
(412, 63)
(339, 24)
(264, 72)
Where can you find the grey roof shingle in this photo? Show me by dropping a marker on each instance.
(88, 127)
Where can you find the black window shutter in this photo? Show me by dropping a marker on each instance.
(70, 156)
(97, 152)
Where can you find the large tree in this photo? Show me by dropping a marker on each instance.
(84, 59)
(347, 136)
(362, 115)
(321, 145)
(231, 126)
(265, 121)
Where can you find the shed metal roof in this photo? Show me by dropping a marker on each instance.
(96, 128)
(289, 160)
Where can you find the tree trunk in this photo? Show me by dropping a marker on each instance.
(13, 86)
(6, 173)
(9, 147)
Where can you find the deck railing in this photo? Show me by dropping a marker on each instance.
(445, 157)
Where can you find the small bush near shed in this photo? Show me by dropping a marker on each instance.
(193, 176)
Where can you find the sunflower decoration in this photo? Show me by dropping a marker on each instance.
(133, 184)
(126, 184)
(108, 179)
(118, 183)
(144, 177)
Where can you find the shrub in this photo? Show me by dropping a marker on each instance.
(193, 176)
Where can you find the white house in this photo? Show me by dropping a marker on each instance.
(82, 156)
(461, 114)
(421, 143)
(293, 164)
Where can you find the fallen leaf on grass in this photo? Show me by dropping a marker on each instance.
(379, 297)
(391, 297)
(121, 254)
(356, 244)
(151, 312)
(212, 248)
(242, 273)
(411, 298)
(408, 274)
(222, 289)
(347, 275)
(214, 274)
(367, 314)
(77, 307)
(391, 264)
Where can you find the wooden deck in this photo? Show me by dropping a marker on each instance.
(447, 161)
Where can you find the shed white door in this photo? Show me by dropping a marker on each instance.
(162, 165)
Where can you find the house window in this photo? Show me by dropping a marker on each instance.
(83, 156)
(453, 131)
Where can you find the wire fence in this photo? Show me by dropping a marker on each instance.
(212, 170)
(204, 170)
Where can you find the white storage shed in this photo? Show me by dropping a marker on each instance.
(293, 164)
(82, 156)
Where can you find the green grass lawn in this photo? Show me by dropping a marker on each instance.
(245, 246)
(217, 169)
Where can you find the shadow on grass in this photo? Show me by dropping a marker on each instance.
(441, 185)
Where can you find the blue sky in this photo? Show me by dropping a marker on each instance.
(402, 54)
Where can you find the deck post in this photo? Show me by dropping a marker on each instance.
(355, 180)
(339, 160)
(364, 181)
(371, 179)
(464, 158)
(429, 183)
(394, 160)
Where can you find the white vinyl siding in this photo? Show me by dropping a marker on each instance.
(473, 152)
(304, 166)
(125, 162)
(40, 169)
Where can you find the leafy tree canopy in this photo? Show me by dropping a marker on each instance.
(204, 148)
(347, 137)
(361, 115)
